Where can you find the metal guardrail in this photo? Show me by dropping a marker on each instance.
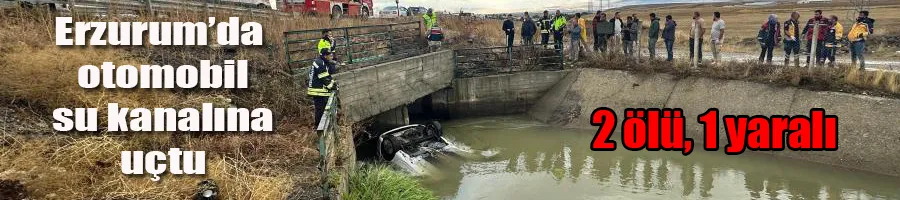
(359, 44)
(327, 130)
(157, 7)
(500, 60)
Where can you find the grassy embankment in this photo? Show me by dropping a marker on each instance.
(37, 77)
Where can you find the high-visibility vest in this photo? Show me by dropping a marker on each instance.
(323, 44)
(559, 23)
(320, 81)
(430, 21)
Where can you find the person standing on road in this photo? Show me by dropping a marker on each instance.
(528, 30)
(820, 38)
(717, 36)
(627, 38)
(653, 35)
(791, 43)
(617, 31)
(669, 37)
(559, 25)
(833, 38)
(858, 34)
(509, 28)
(697, 32)
(546, 26)
(575, 30)
(599, 39)
(583, 24)
(321, 85)
(768, 38)
(635, 27)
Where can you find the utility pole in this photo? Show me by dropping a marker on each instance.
(590, 6)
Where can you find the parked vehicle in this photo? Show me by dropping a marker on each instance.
(261, 4)
(393, 11)
(416, 11)
(334, 8)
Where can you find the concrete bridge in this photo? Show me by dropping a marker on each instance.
(384, 90)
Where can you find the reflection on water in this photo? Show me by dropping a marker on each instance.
(534, 161)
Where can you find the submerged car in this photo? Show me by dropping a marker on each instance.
(411, 147)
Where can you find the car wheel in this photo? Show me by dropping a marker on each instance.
(389, 147)
(434, 129)
(336, 12)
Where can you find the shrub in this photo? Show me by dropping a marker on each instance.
(382, 182)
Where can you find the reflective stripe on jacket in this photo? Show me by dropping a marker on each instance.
(545, 25)
(790, 30)
(320, 81)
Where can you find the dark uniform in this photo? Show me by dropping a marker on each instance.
(545, 26)
(321, 84)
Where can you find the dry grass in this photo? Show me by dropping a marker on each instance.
(38, 77)
(65, 167)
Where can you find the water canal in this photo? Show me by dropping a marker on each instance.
(519, 158)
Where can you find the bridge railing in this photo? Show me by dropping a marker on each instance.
(327, 131)
(358, 44)
(477, 62)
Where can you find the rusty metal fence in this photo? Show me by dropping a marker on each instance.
(502, 60)
(103, 8)
(359, 44)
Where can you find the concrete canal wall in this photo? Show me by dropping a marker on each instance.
(868, 126)
(495, 95)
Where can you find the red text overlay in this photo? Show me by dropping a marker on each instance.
(657, 129)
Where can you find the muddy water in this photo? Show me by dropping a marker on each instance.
(518, 158)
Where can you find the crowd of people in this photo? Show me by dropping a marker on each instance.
(823, 35)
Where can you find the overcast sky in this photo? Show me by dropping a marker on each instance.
(501, 6)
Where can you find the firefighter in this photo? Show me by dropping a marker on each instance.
(545, 26)
(321, 84)
(559, 23)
